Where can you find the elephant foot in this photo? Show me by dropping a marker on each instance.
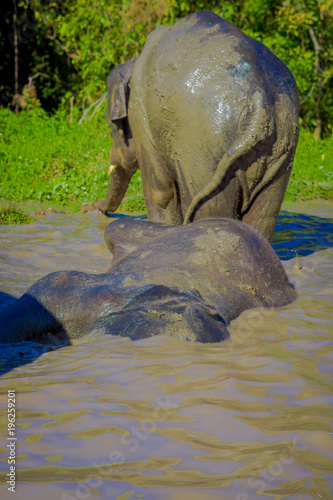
(103, 207)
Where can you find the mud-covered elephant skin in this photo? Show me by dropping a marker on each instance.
(184, 281)
(210, 116)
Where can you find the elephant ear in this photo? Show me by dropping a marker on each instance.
(120, 98)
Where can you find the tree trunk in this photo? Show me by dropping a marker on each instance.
(16, 71)
(320, 85)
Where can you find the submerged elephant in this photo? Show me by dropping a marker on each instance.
(210, 116)
(185, 281)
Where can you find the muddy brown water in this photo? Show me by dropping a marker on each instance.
(250, 418)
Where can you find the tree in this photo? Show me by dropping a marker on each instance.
(72, 46)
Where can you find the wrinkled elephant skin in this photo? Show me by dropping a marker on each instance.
(210, 116)
(184, 281)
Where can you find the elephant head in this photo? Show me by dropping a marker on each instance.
(123, 155)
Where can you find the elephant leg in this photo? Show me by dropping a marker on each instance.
(160, 190)
(119, 181)
(263, 211)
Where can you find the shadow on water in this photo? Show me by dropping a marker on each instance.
(304, 234)
(18, 354)
(116, 215)
(6, 300)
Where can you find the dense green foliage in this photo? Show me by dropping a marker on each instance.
(12, 215)
(46, 158)
(67, 48)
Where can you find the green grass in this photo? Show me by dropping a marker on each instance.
(12, 215)
(312, 173)
(51, 160)
(54, 162)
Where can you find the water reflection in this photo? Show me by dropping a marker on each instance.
(5, 301)
(301, 233)
(247, 419)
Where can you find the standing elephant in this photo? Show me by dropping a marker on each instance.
(210, 116)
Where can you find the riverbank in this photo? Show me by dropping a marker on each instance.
(47, 161)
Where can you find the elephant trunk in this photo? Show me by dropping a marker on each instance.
(119, 181)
